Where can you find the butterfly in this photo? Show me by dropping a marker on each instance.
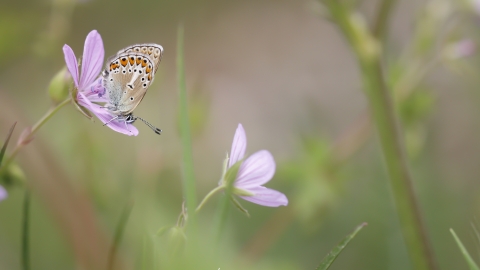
(126, 78)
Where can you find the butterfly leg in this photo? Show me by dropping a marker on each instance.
(116, 117)
(126, 126)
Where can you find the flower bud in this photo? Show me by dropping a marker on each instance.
(12, 175)
(176, 240)
(59, 85)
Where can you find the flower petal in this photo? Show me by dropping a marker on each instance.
(71, 62)
(97, 92)
(93, 97)
(3, 193)
(238, 146)
(105, 116)
(92, 60)
(266, 197)
(256, 170)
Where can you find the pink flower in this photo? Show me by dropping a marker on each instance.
(3, 193)
(88, 84)
(254, 171)
(463, 48)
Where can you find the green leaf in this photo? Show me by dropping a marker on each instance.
(330, 258)
(2, 152)
(471, 263)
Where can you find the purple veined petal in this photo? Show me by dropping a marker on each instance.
(256, 170)
(71, 62)
(96, 92)
(266, 197)
(3, 193)
(105, 116)
(92, 60)
(93, 97)
(239, 145)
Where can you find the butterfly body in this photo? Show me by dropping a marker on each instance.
(126, 79)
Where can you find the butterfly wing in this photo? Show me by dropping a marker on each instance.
(127, 77)
(154, 51)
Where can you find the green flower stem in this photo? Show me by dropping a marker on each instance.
(209, 195)
(367, 51)
(223, 209)
(189, 189)
(380, 25)
(228, 182)
(35, 128)
(118, 234)
(48, 115)
(25, 231)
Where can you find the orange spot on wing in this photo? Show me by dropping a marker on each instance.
(139, 60)
(144, 62)
(148, 70)
(123, 61)
(132, 60)
(149, 77)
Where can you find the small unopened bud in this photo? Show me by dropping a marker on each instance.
(176, 240)
(26, 137)
(12, 176)
(59, 86)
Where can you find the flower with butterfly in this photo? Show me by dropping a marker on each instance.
(121, 86)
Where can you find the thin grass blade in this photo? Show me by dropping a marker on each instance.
(330, 258)
(4, 147)
(471, 263)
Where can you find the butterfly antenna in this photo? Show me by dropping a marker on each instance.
(155, 129)
(116, 117)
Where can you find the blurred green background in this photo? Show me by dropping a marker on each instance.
(285, 72)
